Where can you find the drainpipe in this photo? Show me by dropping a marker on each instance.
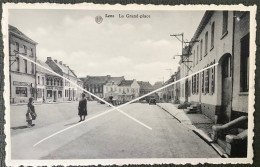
(232, 78)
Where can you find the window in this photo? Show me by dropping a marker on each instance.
(207, 81)
(194, 58)
(213, 79)
(17, 46)
(32, 64)
(127, 90)
(201, 47)
(24, 49)
(225, 22)
(197, 54)
(206, 43)
(18, 64)
(202, 82)
(43, 80)
(212, 34)
(244, 63)
(21, 91)
(197, 84)
(38, 79)
(25, 66)
(31, 52)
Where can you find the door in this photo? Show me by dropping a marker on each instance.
(226, 91)
(55, 95)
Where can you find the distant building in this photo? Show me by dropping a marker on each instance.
(69, 91)
(22, 72)
(95, 84)
(128, 90)
(80, 83)
(110, 89)
(145, 87)
(159, 94)
(48, 84)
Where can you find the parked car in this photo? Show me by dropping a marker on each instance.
(152, 101)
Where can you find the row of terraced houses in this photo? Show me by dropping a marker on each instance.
(30, 80)
(220, 92)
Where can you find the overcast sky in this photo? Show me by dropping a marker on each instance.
(136, 48)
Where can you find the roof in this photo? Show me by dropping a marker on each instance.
(203, 23)
(157, 85)
(126, 83)
(42, 70)
(145, 85)
(17, 32)
(116, 80)
(96, 79)
(65, 69)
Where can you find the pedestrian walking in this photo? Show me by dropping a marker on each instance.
(31, 114)
(82, 108)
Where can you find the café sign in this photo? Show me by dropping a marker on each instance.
(16, 83)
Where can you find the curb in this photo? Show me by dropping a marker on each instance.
(170, 113)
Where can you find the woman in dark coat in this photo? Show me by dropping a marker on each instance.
(82, 108)
(30, 112)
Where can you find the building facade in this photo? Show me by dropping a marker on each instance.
(66, 91)
(95, 84)
(49, 86)
(128, 90)
(217, 40)
(110, 89)
(145, 88)
(22, 72)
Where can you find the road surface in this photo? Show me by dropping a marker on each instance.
(109, 136)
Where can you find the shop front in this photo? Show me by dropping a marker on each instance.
(21, 91)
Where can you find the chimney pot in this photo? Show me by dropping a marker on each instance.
(55, 60)
(60, 62)
(48, 58)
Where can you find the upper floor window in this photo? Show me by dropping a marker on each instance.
(38, 79)
(201, 46)
(18, 64)
(32, 64)
(17, 46)
(24, 49)
(212, 34)
(225, 22)
(206, 43)
(43, 80)
(194, 58)
(31, 52)
(244, 64)
(25, 66)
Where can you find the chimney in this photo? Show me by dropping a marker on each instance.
(60, 62)
(64, 65)
(49, 58)
(55, 61)
(108, 75)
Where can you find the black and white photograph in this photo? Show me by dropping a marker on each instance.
(111, 84)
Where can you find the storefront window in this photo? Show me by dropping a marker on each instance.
(60, 94)
(49, 93)
(21, 91)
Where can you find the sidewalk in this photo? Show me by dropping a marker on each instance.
(198, 123)
(39, 103)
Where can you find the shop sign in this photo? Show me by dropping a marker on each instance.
(49, 87)
(16, 83)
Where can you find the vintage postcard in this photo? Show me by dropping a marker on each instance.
(93, 84)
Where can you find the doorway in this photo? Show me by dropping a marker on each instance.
(226, 90)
